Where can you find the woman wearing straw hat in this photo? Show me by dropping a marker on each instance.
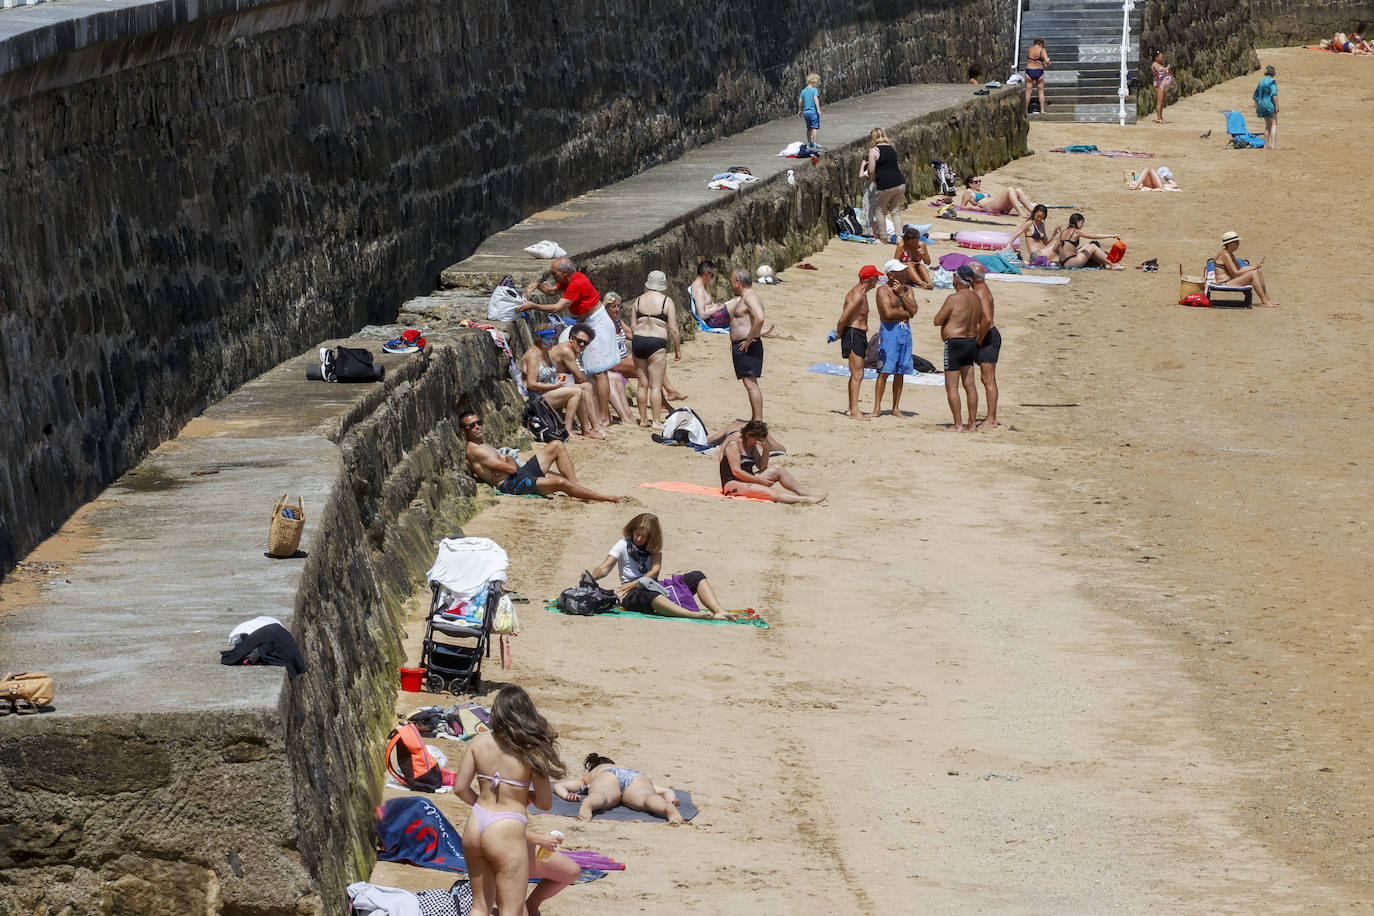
(1232, 272)
(654, 319)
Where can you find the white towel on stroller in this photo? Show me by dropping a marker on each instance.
(464, 566)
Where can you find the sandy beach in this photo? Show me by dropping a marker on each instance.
(1108, 656)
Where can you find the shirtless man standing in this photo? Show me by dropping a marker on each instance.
(852, 332)
(746, 341)
(989, 346)
(958, 322)
(567, 359)
(514, 479)
(897, 305)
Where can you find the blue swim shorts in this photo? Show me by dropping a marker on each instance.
(813, 119)
(894, 348)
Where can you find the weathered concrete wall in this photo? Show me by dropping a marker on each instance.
(1205, 42)
(217, 808)
(1293, 22)
(197, 193)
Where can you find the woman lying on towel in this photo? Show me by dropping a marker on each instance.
(1038, 241)
(639, 555)
(1008, 200)
(1071, 254)
(606, 785)
(744, 468)
(1353, 43)
(1160, 179)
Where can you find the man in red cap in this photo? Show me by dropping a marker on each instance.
(852, 331)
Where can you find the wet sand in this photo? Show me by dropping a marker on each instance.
(1105, 657)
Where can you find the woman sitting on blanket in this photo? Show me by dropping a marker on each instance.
(1160, 179)
(606, 785)
(639, 555)
(558, 388)
(1038, 241)
(912, 252)
(1009, 200)
(744, 469)
(1070, 254)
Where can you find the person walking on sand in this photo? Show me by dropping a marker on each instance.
(1162, 79)
(989, 345)
(958, 323)
(1267, 107)
(852, 332)
(809, 108)
(746, 340)
(1037, 62)
(897, 305)
(515, 479)
(745, 471)
(1231, 272)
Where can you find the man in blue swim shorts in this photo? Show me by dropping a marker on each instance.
(896, 307)
(515, 479)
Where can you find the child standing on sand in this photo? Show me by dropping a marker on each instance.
(809, 107)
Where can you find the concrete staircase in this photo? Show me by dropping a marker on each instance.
(1083, 39)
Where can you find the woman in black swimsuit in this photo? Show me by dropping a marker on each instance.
(744, 469)
(1037, 62)
(655, 323)
(1071, 255)
(1037, 240)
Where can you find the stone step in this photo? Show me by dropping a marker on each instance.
(1097, 115)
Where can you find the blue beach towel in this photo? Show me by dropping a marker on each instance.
(842, 371)
(996, 264)
(851, 237)
(1241, 137)
(701, 325)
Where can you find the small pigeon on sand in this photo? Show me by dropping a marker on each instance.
(1206, 135)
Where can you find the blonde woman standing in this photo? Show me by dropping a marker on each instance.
(883, 169)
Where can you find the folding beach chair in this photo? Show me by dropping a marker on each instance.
(1211, 288)
(454, 646)
(1241, 137)
(702, 325)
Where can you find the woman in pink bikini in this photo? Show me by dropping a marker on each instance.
(513, 764)
(1163, 79)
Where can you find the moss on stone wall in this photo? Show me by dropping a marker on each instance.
(1205, 42)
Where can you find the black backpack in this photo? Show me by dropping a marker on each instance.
(542, 420)
(944, 175)
(587, 599)
(846, 219)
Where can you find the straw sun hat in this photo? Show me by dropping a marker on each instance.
(1229, 237)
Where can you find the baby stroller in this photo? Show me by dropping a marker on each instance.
(454, 647)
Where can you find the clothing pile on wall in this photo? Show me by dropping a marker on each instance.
(263, 641)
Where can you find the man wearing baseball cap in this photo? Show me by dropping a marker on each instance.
(896, 303)
(958, 323)
(852, 331)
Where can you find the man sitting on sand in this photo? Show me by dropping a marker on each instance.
(958, 322)
(514, 479)
(567, 360)
(852, 332)
(896, 307)
(744, 469)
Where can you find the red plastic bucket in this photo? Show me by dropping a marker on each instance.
(412, 680)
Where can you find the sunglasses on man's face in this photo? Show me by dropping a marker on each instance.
(473, 425)
(580, 341)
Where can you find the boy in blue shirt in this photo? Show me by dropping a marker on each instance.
(809, 107)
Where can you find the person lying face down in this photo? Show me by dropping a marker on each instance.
(606, 785)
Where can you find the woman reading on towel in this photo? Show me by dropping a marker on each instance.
(562, 393)
(1009, 200)
(744, 468)
(912, 252)
(639, 556)
(514, 763)
(1038, 241)
(606, 785)
(1071, 254)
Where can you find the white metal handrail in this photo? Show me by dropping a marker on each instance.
(1125, 40)
(1016, 45)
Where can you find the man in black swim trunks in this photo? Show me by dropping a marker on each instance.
(852, 330)
(746, 338)
(515, 479)
(958, 321)
(989, 345)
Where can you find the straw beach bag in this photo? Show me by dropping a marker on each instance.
(1189, 285)
(288, 522)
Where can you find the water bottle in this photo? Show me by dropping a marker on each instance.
(544, 853)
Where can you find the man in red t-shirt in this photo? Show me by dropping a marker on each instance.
(580, 298)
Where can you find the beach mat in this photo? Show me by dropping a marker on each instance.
(842, 371)
(1022, 278)
(620, 812)
(749, 618)
(1109, 153)
(696, 489)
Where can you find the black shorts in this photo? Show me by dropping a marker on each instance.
(642, 600)
(960, 352)
(644, 347)
(990, 347)
(522, 481)
(854, 340)
(748, 364)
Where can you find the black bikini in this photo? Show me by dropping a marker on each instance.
(644, 346)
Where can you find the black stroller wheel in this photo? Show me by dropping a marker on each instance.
(434, 683)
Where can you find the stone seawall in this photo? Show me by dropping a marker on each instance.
(1205, 42)
(1294, 22)
(165, 783)
(199, 191)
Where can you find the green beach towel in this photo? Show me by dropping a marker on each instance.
(752, 620)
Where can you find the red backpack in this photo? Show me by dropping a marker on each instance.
(410, 762)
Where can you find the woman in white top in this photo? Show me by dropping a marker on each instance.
(639, 556)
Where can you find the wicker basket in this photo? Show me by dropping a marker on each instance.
(284, 537)
(1189, 285)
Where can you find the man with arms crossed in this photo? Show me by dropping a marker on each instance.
(989, 345)
(746, 338)
(896, 307)
(958, 322)
(852, 331)
(515, 479)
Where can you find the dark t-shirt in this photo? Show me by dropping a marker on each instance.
(887, 174)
